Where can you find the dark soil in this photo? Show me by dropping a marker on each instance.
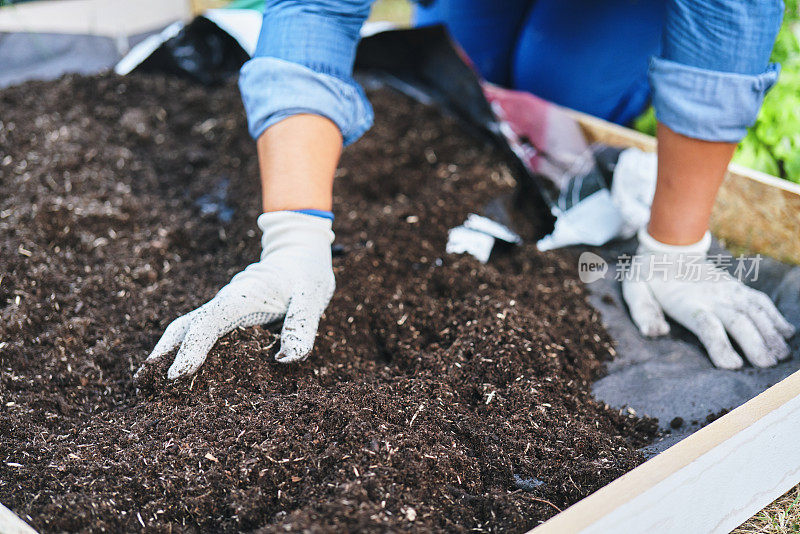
(442, 394)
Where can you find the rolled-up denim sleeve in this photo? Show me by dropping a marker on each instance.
(303, 64)
(713, 72)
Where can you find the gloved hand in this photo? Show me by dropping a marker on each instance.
(681, 283)
(293, 279)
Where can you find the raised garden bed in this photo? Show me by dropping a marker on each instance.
(442, 394)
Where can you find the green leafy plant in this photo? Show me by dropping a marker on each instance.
(646, 122)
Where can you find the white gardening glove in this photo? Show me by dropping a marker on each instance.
(632, 189)
(293, 279)
(680, 282)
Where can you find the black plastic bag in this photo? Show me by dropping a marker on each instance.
(201, 51)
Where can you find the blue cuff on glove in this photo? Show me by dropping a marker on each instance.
(317, 213)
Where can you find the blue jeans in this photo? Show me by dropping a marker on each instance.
(708, 66)
(587, 55)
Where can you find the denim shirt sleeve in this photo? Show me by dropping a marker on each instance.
(714, 71)
(303, 64)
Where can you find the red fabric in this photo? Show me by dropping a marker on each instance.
(541, 133)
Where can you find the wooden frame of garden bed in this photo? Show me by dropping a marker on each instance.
(11, 524)
(712, 481)
(726, 472)
(754, 211)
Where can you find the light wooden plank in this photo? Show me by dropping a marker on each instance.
(711, 481)
(111, 18)
(602, 131)
(754, 211)
(11, 524)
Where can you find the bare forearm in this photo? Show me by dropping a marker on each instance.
(297, 159)
(690, 172)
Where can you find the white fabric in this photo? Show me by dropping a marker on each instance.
(681, 283)
(244, 25)
(294, 278)
(633, 187)
(477, 237)
(592, 221)
(604, 215)
(463, 240)
(492, 228)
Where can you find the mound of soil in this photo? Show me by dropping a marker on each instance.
(442, 394)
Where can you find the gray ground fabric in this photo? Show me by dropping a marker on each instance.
(46, 56)
(671, 376)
